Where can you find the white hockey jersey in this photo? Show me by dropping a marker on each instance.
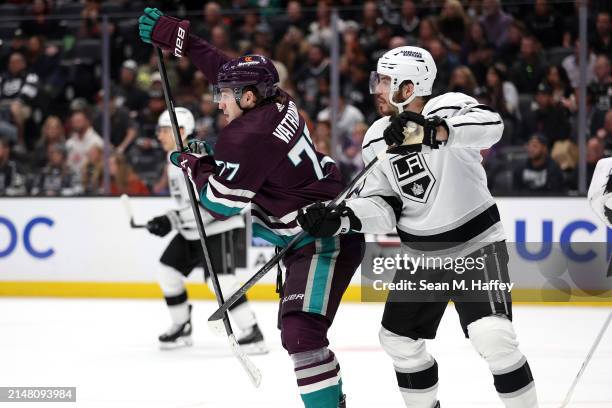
(444, 195)
(599, 199)
(182, 218)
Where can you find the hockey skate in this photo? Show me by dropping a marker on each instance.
(178, 335)
(252, 342)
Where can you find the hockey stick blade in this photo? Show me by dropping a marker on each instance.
(217, 317)
(252, 371)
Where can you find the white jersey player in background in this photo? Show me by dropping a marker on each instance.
(184, 252)
(600, 191)
(436, 195)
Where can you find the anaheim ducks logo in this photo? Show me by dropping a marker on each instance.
(413, 177)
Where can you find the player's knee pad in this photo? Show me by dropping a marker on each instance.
(494, 339)
(406, 352)
(229, 285)
(170, 281)
(303, 331)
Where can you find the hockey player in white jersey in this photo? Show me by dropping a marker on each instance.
(184, 252)
(600, 191)
(432, 189)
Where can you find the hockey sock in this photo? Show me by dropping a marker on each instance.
(178, 308)
(494, 339)
(318, 378)
(171, 283)
(415, 369)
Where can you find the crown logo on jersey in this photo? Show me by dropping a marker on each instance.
(413, 177)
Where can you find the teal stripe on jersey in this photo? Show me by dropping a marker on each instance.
(325, 260)
(277, 239)
(216, 207)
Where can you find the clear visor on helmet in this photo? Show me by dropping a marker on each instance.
(220, 93)
(379, 83)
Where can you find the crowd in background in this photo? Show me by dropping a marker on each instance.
(519, 58)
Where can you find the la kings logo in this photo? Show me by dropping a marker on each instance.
(413, 177)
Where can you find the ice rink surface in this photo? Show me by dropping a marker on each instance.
(108, 350)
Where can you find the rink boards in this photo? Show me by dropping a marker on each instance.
(84, 247)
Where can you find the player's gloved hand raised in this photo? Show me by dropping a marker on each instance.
(159, 226)
(321, 221)
(147, 22)
(200, 147)
(409, 131)
(198, 168)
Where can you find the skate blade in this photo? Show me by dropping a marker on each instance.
(254, 349)
(178, 343)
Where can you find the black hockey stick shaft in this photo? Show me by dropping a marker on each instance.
(220, 312)
(208, 270)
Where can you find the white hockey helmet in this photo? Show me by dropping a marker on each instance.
(184, 118)
(406, 64)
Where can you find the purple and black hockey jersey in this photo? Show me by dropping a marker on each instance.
(266, 158)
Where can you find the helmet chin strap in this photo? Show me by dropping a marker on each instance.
(400, 105)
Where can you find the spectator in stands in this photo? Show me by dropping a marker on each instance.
(12, 180)
(123, 178)
(605, 133)
(19, 94)
(306, 78)
(350, 161)
(557, 79)
(428, 31)
(82, 138)
(319, 31)
(52, 132)
(206, 123)
(452, 25)
(294, 17)
(219, 37)
(348, 117)
(409, 22)
(444, 64)
(594, 153)
(90, 23)
(495, 22)
(502, 94)
(570, 63)
(44, 61)
(477, 51)
(56, 178)
(370, 20)
(540, 173)
(123, 129)
(39, 24)
(128, 93)
(212, 18)
(602, 43)
(602, 83)
(528, 70)
(545, 24)
(509, 51)
(93, 172)
(565, 153)
(463, 80)
(291, 49)
(549, 119)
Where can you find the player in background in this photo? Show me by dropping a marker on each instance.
(600, 191)
(265, 157)
(436, 196)
(184, 252)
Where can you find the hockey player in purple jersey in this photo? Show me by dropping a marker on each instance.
(265, 157)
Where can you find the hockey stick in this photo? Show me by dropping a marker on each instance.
(586, 361)
(214, 321)
(252, 371)
(127, 206)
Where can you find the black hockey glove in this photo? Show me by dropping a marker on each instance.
(159, 226)
(404, 133)
(322, 222)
